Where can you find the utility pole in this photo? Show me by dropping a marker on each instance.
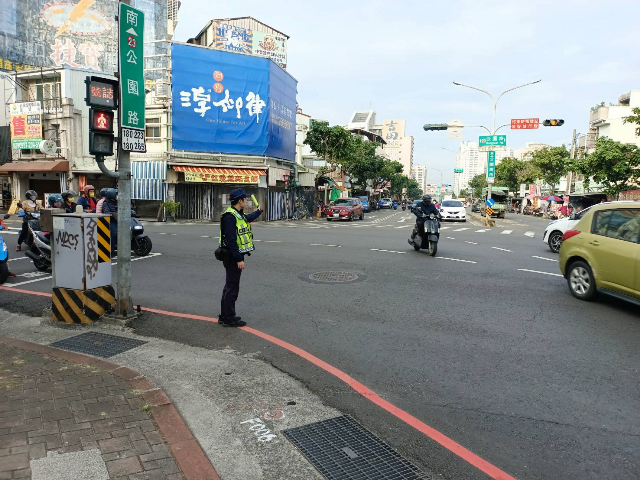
(572, 156)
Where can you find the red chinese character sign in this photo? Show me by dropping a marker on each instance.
(26, 125)
(525, 123)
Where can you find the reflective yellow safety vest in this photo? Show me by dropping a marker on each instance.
(244, 237)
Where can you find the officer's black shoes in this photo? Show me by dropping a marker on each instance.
(234, 322)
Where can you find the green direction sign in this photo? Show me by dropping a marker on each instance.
(492, 141)
(131, 43)
(491, 166)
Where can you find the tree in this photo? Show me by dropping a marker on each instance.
(333, 144)
(464, 193)
(635, 118)
(413, 190)
(553, 163)
(362, 164)
(508, 173)
(614, 165)
(477, 183)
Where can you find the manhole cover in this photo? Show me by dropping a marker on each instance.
(333, 276)
(98, 344)
(340, 448)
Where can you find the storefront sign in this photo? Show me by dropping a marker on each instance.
(630, 195)
(221, 178)
(271, 46)
(26, 125)
(532, 189)
(229, 103)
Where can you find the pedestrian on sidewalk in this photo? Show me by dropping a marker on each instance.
(237, 239)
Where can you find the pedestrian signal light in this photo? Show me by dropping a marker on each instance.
(101, 120)
(555, 122)
(435, 126)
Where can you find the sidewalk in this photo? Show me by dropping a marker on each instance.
(69, 416)
(218, 392)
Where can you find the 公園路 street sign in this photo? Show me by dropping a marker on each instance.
(132, 93)
(492, 140)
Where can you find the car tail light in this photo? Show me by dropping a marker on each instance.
(570, 233)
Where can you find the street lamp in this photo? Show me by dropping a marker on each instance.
(495, 105)
(495, 100)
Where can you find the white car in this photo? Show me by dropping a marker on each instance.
(555, 230)
(453, 210)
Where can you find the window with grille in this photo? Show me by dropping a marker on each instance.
(153, 128)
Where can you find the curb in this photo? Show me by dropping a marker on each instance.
(481, 219)
(193, 462)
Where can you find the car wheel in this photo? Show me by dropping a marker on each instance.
(350, 218)
(581, 281)
(362, 216)
(555, 241)
(328, 219)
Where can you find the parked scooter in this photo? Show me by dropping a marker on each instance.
(4, 257)
(429, 238)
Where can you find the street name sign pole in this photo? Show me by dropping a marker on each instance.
(131, 138)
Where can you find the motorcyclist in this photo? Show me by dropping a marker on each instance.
(68, 197)
(56, 201)
(110, 206)
(29, 205)
(87, 199)
(423, 210)
(395, 204)
(103, 198)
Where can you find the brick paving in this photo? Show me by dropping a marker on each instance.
(50, 404)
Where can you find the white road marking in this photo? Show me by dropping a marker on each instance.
(451, 238)
(541, 273)
(16, 259)
(151, 255)
(501, 249)
(444, 228)
(472, 243)
(388, 251)
(461, 229)
(323, 245)
(506, 232)
(481, 231)
(530, 234)
(455, 259)
(402, 220)
(7, 232)
(544, 258)
(404, 226)
(28, 281)
(273, 241)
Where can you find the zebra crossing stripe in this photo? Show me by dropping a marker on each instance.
(506, 232)
(104, 240)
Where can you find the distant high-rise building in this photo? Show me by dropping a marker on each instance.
(420, 176)
(526, 152)
(473, 162)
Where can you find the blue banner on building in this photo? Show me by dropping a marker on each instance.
(232, 103)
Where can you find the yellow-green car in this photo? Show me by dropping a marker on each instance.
(601, 253)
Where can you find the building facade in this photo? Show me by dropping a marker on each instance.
(609, 121)
(420, 176)
(473, 162)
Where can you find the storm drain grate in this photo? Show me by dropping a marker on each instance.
(341, 449)
(332, 276)
(98, 344)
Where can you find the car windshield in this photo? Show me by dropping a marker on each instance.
(363, 199)
(344, 201)
(386, 199)
(451, 203)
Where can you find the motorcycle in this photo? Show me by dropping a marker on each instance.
(404, 207)
(140, 243)
(38, 242)
(429, 238)
(395, 205)
(4, 257)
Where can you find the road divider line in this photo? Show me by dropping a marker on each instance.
(388, 251)
(456, 259)
(506, 232)
(482, 230)
(544, 258)
(451, 445)
(541, 273)
(472, 243)
(461, 229)
(16, 259)
(530, 234)
(501, 249)
(39, 279)
(323, 245)
(273, 241)
(151, 255)
(451, 238)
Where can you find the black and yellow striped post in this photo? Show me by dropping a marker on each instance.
(104, 239)
(82, 306)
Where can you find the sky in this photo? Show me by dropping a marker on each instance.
(400, 58)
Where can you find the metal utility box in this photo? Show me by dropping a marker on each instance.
(82, 250)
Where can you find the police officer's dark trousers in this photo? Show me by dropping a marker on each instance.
(231, 289)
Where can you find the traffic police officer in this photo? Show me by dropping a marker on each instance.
(236, 237)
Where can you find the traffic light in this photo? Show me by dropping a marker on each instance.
(102, 98)
(435, 126)
(555, 122)
(458, 170)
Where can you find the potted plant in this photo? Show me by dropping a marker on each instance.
(171, 208)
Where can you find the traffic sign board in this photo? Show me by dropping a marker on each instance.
(490, 202)
(132, 94)
(489, 211)
(492, 140)
(524, 123)
(491, 165)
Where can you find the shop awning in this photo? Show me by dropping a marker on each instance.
(219, 171)
(55, 166)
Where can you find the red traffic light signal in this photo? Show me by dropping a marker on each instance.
(101, 120)
(555, 122)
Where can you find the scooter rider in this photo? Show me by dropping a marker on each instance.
(69, 205)
(30, 205)
(87, 199)
(110, 206)
(423, 209)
